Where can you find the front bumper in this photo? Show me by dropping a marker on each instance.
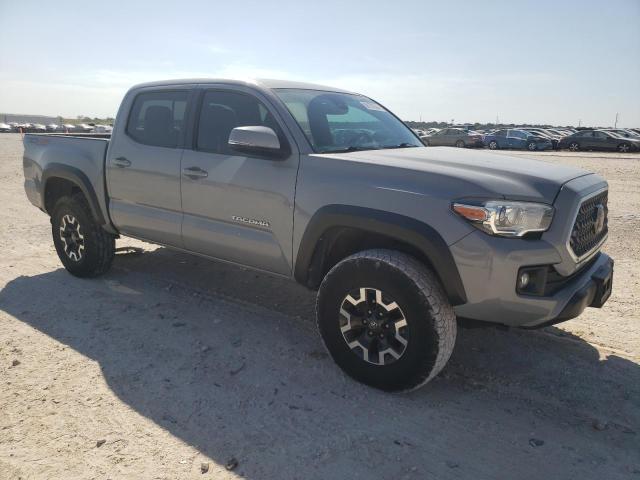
(489, 269)
(594, 293)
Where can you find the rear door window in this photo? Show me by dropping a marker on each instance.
(158, 118)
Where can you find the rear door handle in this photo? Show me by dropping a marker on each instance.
(194, 173)
(121, 162)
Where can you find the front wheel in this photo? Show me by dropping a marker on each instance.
(385, 320)
(574, 146)
(624, 148)
(460, 144)
(84, 247)
(493, 145)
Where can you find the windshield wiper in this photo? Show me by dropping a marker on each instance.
(352, 148)
(401, 145)
(355, 148)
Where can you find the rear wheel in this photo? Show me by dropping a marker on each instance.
(385, 320)
(574, 146)
(532, 146)
(84, 247)
(460, 144)
(624, 147)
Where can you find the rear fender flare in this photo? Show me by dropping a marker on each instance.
(78, 178)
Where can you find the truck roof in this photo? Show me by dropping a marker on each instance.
(265, 83)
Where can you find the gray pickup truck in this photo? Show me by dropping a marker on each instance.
(329, 188)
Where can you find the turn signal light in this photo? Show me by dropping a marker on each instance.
(470, 212)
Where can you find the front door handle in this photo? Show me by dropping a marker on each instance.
(194, 173)
(121, 162)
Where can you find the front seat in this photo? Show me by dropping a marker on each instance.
(215, 128)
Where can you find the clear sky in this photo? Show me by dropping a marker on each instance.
(525, 61)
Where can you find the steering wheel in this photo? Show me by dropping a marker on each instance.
(362, 138)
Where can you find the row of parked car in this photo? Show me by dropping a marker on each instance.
(529, 138)
(54, 128)
(533, 138)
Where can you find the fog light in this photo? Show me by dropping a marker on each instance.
(532, 280)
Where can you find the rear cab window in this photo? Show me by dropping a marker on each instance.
(158, 118)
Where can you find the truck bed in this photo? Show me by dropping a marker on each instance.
(82, 154)
(74, 135)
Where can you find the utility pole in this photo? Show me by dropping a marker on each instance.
(616, 124)
(579, 123)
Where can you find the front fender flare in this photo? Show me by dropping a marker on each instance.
(408, 230)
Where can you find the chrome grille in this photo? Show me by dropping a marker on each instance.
(591, 225)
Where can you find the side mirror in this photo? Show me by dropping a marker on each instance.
(254, 139)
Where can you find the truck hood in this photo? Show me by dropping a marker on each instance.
(483, 173)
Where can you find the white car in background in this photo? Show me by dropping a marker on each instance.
(83, 127)
(102, 129)
(5, 127)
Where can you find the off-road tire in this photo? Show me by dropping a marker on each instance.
(99, 245)
(416, 289)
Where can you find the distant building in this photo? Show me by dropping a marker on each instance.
(43, 119)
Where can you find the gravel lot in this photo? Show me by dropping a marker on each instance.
(171, 364)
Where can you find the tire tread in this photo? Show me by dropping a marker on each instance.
(104, 241)
(441, 311)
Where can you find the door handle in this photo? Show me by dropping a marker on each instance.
(121, 162)
(194, 173)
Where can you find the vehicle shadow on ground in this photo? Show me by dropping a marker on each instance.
(228, 361)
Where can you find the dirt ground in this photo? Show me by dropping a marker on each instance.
(170, 364)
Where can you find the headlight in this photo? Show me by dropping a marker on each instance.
(506, 218)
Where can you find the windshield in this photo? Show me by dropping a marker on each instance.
(342, 122)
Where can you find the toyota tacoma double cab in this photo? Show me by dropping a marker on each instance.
(331, 189)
